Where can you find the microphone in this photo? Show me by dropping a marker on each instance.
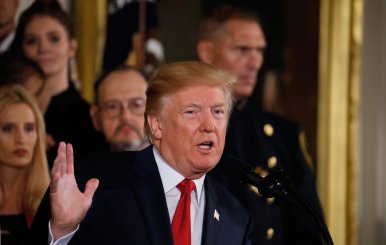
(269, 186)
(276, 184)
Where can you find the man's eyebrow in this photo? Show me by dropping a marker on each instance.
(196, 105)
(218, 104)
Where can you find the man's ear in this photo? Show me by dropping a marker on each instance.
(155, 126)
(94, 113)
(205, 51)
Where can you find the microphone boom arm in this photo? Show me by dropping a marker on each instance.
(278, 184)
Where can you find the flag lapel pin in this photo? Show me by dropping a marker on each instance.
(216, 215)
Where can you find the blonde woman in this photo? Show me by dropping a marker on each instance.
(24, 174)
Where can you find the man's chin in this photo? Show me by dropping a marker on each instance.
(242, 94)
(244, 91)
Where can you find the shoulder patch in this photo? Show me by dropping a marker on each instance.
(304, 149)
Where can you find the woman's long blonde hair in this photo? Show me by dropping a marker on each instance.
(38, 177)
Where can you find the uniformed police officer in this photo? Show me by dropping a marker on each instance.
(232, 38)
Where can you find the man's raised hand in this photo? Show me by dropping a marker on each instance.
(68, 204)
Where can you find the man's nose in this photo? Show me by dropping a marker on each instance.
(207, 122)
(126, 113)
(256, 59)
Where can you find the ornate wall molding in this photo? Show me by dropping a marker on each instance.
(338, 108)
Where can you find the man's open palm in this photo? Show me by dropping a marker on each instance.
(68, 204)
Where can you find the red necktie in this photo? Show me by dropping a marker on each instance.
(181, 218)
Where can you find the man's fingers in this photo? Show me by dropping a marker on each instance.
(54, 182)
(63, 151)
(56, 166)
(61, 147)
(70, 159)
(91, 187)
(60, 157)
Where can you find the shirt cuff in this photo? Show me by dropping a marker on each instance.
(62, 240)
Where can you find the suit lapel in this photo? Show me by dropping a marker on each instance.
(151, 198)
(211, 215)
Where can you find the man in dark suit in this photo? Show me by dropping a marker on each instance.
(232, 39)
(138, 199)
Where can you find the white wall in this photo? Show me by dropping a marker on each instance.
(372, 185)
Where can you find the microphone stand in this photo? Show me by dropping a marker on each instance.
(278, 184)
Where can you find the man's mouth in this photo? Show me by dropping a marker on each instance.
(125, 130)
(206, 145)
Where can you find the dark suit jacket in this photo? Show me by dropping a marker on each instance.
(277, 222)
(129, 206)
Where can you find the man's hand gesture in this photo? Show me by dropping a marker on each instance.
(68, 204)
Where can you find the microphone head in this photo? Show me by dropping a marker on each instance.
(232, 169)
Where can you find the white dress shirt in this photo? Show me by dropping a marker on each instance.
(170, 179)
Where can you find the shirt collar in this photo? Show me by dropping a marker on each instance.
(171, 178)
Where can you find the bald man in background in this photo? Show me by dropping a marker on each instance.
(119, 107)
(232, 39)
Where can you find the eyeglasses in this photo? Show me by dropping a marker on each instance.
(114, 108)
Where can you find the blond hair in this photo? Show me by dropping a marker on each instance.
(174, 77)
(38, 177)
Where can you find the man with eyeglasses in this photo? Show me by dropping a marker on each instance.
(119, 107)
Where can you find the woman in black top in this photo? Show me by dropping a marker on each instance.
(44, 35)
(24, 174)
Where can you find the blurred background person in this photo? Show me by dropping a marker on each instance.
(119, 107)
(232, 39)
(24, 174)
(45, 35)
(132, 35)
(7, 22)
(18, 70)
